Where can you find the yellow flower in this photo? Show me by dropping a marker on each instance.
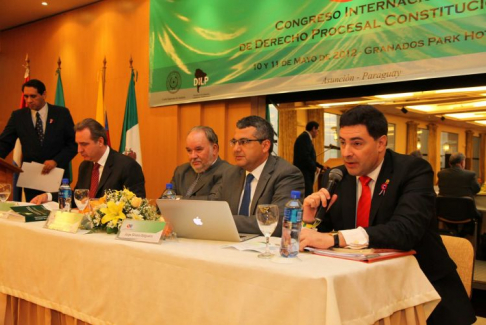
(126, 193)
(113, 212)
(135, 202)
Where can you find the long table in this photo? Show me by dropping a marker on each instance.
(100, 280)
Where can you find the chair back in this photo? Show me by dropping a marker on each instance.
(456, 209)
(462, 253)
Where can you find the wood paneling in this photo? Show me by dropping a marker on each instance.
(116, 30)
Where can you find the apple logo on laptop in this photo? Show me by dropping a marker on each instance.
(197, 221)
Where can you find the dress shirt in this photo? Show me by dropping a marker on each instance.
(43, 115)
(257, 172)
(359, 236)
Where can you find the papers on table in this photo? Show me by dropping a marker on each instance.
(256, 245)
(366, 255)
(32, 177)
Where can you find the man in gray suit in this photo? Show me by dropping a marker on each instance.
(458, 181)
(196, 179)
(259, 177)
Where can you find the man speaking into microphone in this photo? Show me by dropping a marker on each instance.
(385, 200)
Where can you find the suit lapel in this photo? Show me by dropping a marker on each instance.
(262, 182)
(52, 118)
(29, 126)
(107, 170)
(236, 195)
(349, 203)
(386, 173)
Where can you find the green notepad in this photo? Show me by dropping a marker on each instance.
(29, 213)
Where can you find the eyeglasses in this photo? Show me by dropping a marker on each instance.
(244, 141)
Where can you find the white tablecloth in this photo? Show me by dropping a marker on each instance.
(101, 280)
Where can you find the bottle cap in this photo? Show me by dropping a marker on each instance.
(295, 194)
(65, 181)
(168, 186)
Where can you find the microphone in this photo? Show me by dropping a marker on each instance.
(335, 176)
(331, 146)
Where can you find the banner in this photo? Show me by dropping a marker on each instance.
(222, 49)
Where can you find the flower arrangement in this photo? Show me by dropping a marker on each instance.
(110, 210)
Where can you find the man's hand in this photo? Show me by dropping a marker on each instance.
(48, 166)
(312, 203)
(312, 238)
(39, 199)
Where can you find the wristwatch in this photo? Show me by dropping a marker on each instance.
(335, 234)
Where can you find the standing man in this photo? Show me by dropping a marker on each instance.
(196, 179)
(45, 132)
(386, 200)
(258, 177)
(458, 181)
(103, 168)
(305, 155)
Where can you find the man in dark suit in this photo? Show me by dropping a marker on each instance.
(305, 155)
(458, 181)
(196, 179)
(259, 177)
(103, 168)
(45, 131)
(386, 200)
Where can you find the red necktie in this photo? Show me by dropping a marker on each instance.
(364, 203)
(95, 178)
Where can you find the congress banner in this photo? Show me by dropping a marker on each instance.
(219, 49)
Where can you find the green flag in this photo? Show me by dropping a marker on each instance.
(130, 138)
(59, 101)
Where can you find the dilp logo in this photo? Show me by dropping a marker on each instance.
(197, 221)
(200, 78)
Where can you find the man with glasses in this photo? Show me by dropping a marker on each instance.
(196, 178)
(258, 177)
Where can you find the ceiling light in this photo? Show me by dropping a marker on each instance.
(446, 147)
(479, 104)
(423, 108)
(480, 122)
(395, 95)
(471, 115)
(340, 104)
(460, 90)
(44, 3)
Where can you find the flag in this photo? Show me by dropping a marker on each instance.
(101, 115)
(130, 138)
(17, 152)
(59, 101)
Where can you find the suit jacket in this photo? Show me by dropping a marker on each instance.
(58, 142)
(305, 160)
(278, 178)
(119, 171)
(456, 181)
(305, 154)
(403, 217)
(184, 176)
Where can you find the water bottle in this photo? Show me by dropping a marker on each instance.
(169, 193)
(65, 196)
(291, 226)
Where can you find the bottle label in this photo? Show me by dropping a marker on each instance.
(293, 215)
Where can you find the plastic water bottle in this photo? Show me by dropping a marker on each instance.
(291, 226)
(65, 196)
(169, 193)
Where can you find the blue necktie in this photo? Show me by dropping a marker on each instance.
(245, 203)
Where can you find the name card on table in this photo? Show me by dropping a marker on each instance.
(141, 230)
(64, 221)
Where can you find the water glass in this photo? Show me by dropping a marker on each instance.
(267, 216)
(5, 190)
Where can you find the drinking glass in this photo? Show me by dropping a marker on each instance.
(81, 197)
(5, 189)
(267, 217)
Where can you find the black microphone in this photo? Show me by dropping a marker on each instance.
(335, 176)
(331, 146)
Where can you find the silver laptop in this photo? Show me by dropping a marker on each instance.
(210, 220)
